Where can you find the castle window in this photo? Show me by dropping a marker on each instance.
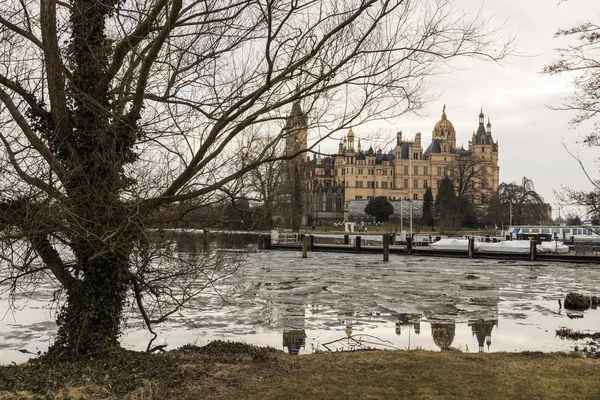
(384, 185)
(425, 184)
(415, 196)
(406, 184)
(439, 171)
(416, 170)
(406, 170)
(416, 184)
(424, 170)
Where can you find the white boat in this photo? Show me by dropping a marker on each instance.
(509, 246)
(452, 244)
(523, 247)
(553, 247)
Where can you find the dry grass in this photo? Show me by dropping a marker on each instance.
(256, 374)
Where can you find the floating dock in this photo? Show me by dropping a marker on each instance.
(308, 243)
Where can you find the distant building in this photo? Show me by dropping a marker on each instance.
(330, 184)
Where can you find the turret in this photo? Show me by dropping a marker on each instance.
(489, 127)
(350, 140)
(399, 138)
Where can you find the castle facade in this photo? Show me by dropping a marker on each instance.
(330, 183)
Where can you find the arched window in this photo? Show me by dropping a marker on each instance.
(339, 201)
(320, 201)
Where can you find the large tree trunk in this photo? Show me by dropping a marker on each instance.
(91, 319)
(92, 316)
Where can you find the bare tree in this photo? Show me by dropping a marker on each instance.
(471, 182)
(520, 202)
(266, 184)
(582, 58)
(113, 111)
(470, 177)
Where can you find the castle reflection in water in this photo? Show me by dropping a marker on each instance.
(442, 333)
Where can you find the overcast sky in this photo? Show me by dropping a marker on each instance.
(515, 96)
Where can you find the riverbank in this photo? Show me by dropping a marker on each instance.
(223, 370)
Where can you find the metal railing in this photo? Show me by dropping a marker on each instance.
(587, 248)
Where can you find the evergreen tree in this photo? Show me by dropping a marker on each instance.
(380, 208)
(428, 208)
(446, 204)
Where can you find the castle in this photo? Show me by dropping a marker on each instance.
(331, 183)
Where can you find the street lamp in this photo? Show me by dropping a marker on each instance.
(410, 182)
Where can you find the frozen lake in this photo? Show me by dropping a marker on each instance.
(334, 301)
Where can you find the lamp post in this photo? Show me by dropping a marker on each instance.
(401, 216)
(410, 186)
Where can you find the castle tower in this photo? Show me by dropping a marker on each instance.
(350, 140)
(296, 131)
(296, 137)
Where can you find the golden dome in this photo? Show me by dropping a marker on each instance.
(444, 127)
(350, 133)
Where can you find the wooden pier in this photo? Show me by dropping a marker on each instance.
(310, 244)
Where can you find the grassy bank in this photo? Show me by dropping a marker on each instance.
(232, 371)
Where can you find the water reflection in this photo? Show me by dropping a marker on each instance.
(294, 340)
(408, 321)
(443, 334)
(482, 330)
(300, 305)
